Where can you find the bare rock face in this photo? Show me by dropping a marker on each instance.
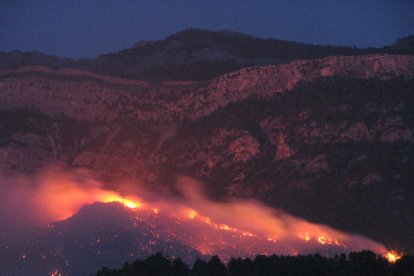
(87, 96)
(275, 130)
(314, 133)
(394, 130)
(358, 132)
(371, 179)
(26, 153)
(244, 148)
(319, 163)
(269, 80)
(283, 150)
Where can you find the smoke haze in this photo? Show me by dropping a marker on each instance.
(56, 194)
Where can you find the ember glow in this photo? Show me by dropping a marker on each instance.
(229, 229)
(393, 256)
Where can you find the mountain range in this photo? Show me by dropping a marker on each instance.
(324, 133)
(196, 54)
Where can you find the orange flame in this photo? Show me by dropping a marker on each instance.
(128, 201)
(60, 196)
(192, 214)
(393, 256)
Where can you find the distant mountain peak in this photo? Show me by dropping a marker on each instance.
(231, 32)
(196, 31)
(197, 55)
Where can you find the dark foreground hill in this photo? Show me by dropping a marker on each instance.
(111, 235)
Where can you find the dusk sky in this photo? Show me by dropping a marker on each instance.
(79, 28)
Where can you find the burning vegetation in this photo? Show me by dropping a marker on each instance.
(240, 229)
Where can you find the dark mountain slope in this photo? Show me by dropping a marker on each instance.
(17, 59)
(336, 146)
(99, 234)
(201, 55)
(196, 55)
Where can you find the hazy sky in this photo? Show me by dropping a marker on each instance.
(87, 28)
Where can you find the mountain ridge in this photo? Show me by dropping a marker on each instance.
(196, 54)
(172, 101)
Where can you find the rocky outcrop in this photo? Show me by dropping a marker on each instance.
(244, 148)
(269, 80)
(283, 151)
(88, 96)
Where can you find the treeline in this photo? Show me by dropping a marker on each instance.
(355, 264)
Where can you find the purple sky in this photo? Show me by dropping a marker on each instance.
(87, 28)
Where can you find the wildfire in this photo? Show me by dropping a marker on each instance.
(270, 240)
(192, 214)
(60, 197)
(55, 273)
(266, 230)
(73, 201)
(393, 256)
(247, 227)
(114, 197)
(322, 239)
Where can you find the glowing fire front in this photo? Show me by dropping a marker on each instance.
(322, 238)
(130, 202)
(63, 201)
(393, 256)
(236, 228)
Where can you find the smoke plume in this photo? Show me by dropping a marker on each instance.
(56, 194)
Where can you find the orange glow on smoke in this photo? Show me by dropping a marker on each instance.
(65, 204)
(246, 227)
(60, 196)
